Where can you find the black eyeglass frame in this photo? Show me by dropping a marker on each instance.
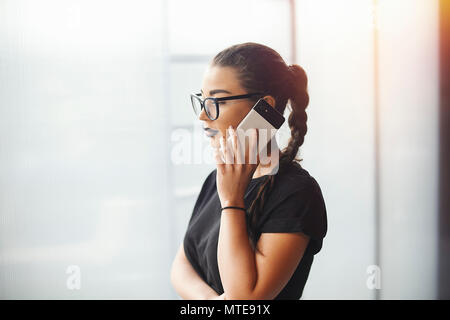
(217, 100)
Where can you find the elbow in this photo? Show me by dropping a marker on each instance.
(239, 291)
(237, 297)
(247, 295)
(240, 295)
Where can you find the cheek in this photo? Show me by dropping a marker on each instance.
(235, 117)
(228, 119)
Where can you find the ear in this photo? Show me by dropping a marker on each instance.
(270, 100)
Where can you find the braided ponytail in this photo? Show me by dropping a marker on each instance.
(262, 69)
(299, 100)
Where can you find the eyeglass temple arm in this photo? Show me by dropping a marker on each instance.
(243, 96)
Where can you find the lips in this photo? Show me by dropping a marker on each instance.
(210, 132)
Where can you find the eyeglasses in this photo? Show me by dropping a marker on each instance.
(211, 105)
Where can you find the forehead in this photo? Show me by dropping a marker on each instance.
(220, 78)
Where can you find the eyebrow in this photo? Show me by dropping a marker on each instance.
(213, 92)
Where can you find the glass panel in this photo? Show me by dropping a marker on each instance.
(409, 113)
(83, 155)
(336, 51)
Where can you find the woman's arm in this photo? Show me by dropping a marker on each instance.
(247, 275)
(236, 259)
(186, 282)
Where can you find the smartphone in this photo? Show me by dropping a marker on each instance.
(264, 118)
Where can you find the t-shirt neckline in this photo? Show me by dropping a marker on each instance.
(260, 178)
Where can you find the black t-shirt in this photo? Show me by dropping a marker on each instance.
(295, 204)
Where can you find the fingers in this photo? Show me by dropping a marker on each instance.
(225, 145)
(252, 148)
(236, 146)
(233, 148)
(239, 147)
(217, 155)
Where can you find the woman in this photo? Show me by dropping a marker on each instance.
(263, 246)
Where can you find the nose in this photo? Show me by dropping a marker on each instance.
(203, 116)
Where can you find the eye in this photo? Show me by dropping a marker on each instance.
(221, 102)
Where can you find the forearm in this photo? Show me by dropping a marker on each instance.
(187, 283)
(236, 258)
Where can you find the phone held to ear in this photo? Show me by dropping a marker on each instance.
(264, 118)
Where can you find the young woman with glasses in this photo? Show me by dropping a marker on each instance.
(255, 228)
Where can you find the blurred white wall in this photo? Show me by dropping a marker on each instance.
(336, 49)
(336, 41)
(93, 94)
(409, 148)
(82, 157)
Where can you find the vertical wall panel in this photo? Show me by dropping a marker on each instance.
(335, 48)
(408, 147)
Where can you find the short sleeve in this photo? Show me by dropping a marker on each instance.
(301, 211)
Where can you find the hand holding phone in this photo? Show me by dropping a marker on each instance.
(265, 119)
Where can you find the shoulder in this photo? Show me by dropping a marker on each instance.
(295, 204)
(211, 178)
(294, 180)
(207, 188)
(209, 182)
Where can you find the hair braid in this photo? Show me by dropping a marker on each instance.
(297, 120)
